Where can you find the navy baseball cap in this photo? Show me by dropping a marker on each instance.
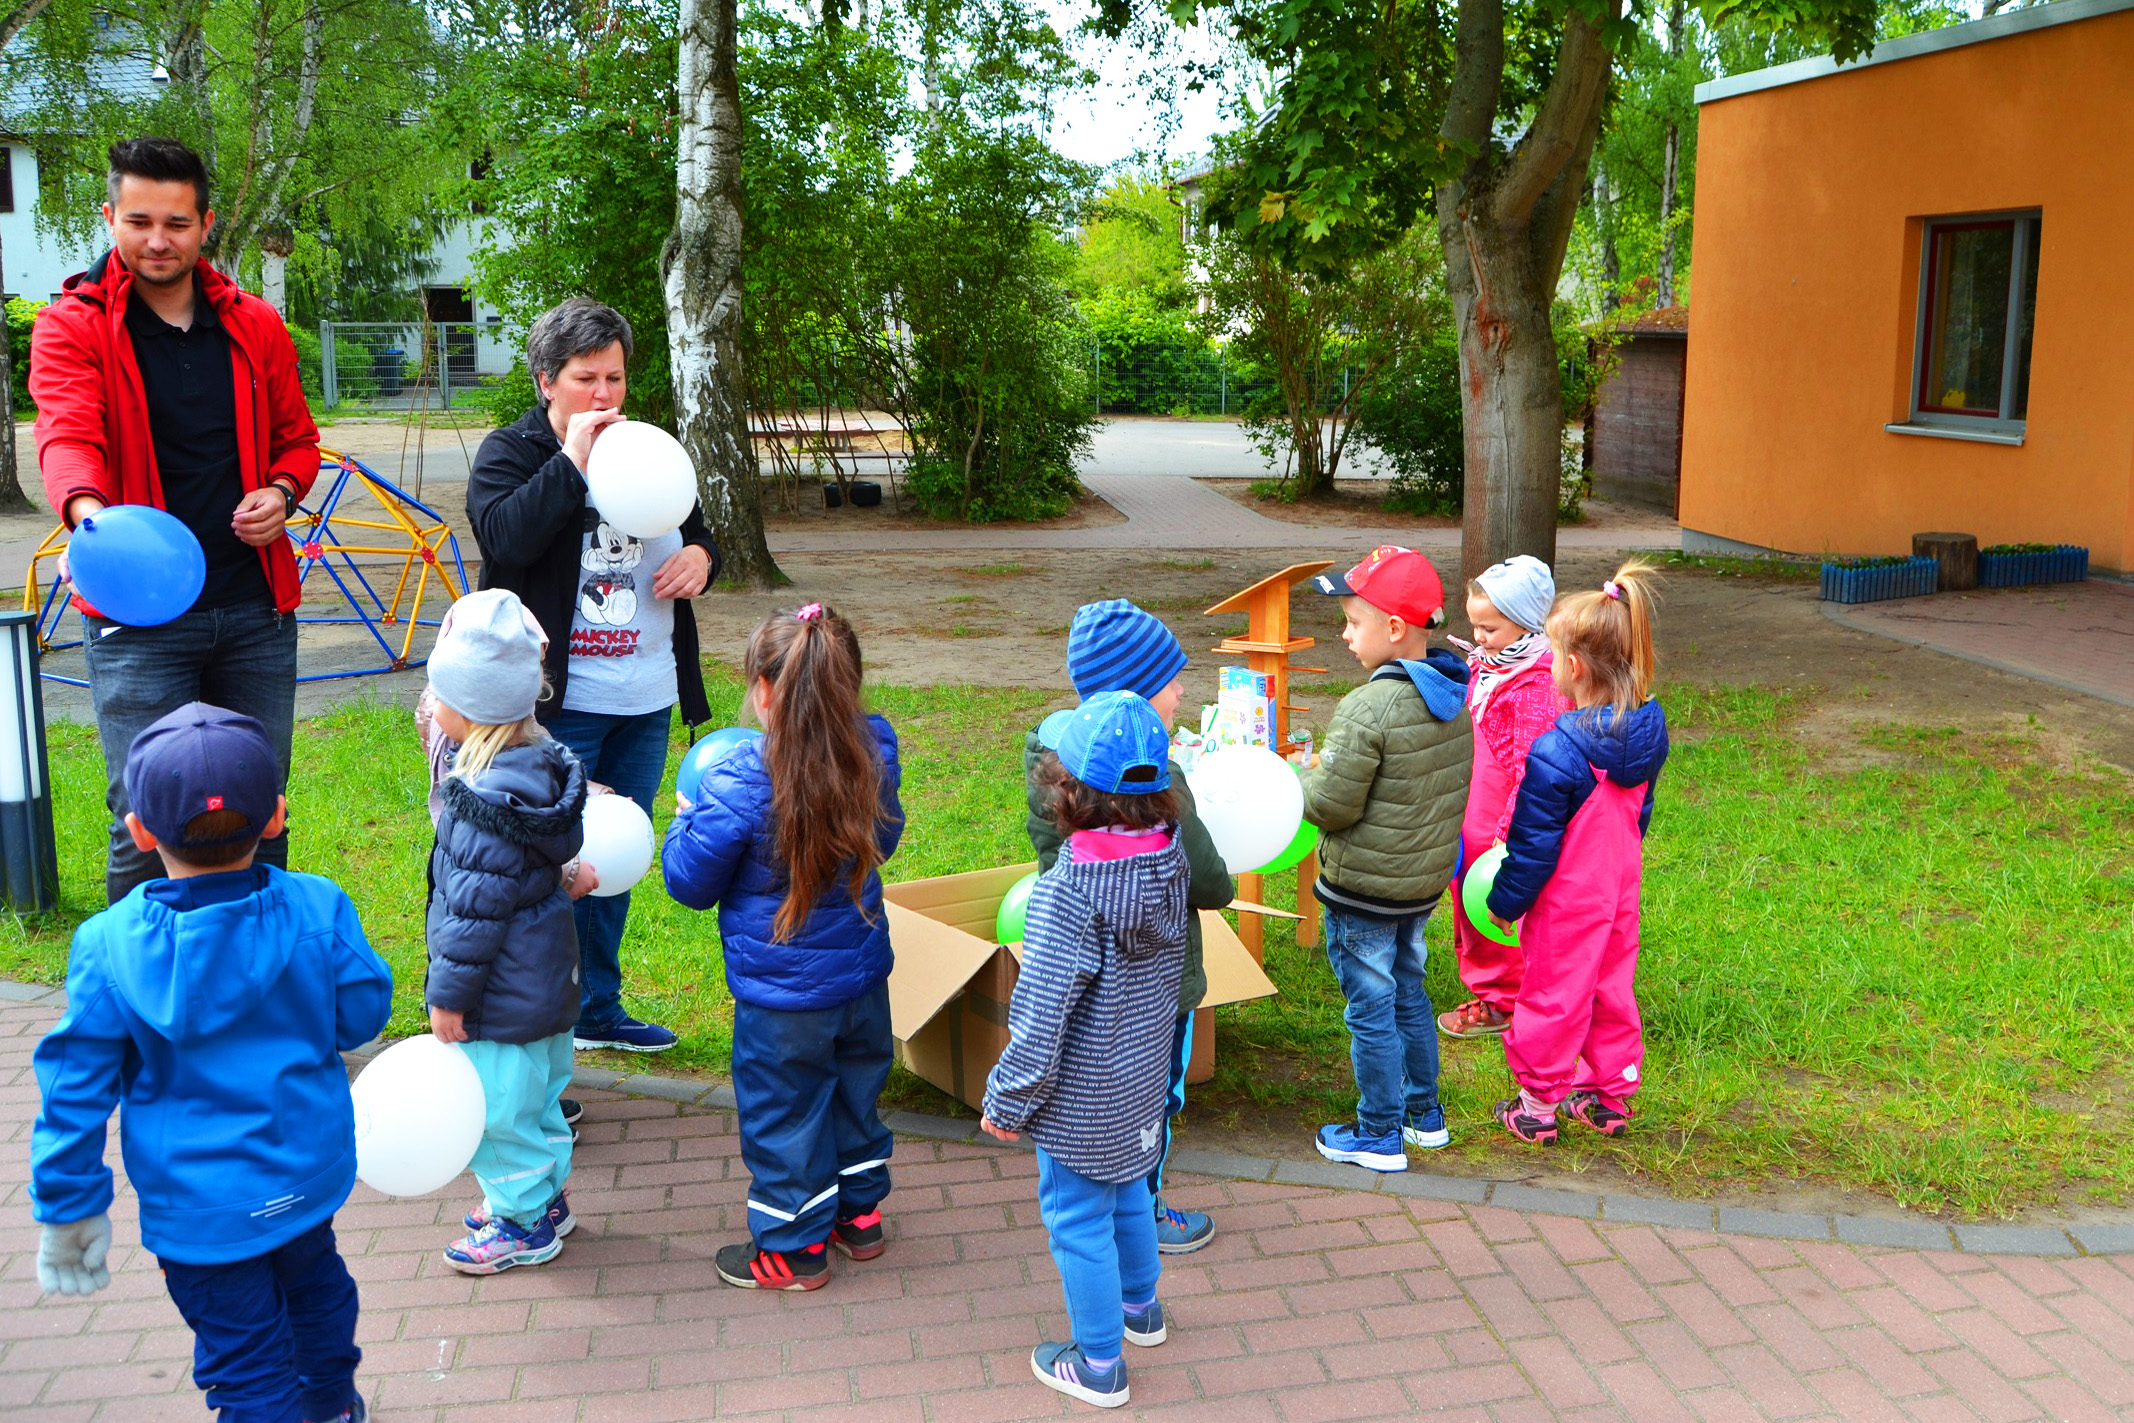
(197, 759)
(1114, 742)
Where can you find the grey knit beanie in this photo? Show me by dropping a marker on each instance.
(487, 662)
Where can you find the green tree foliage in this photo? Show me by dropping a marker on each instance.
(1134, 241)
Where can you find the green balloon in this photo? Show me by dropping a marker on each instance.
(1474, 896)
(1301, 844)
(1009, 925)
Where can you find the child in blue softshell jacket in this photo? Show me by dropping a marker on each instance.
(215, 1005)
(1087, 1069)
(785, 836)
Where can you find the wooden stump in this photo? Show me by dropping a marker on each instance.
(1956, 553)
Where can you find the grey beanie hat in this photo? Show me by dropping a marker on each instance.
(487, 662)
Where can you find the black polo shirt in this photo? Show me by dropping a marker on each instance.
(192, 422)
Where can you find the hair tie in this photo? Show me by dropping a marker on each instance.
(1613, 589)
(809, 613)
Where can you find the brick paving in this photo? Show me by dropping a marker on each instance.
(1312, 1304)
(2073, 635)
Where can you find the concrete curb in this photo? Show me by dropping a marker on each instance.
(1905, 1232)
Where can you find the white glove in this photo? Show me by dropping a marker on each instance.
(70, 1257)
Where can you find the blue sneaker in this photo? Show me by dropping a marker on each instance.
(1342, 1142)
(1062, 1367)
(1146, 1327)
(1181, 1232)
(629, 1035)
(502, 1245)
(1428, 1132)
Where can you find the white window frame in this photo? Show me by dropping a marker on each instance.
(2006, 427)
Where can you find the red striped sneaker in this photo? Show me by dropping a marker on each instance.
(860, 1237)
(745, 1266)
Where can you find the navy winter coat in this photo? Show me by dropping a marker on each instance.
(1559, 776)
(722, 850)
(503, 949)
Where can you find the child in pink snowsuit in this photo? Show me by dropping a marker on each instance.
(1572, 866)
(1512, 699)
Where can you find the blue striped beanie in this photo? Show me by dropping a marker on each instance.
(1114, 646)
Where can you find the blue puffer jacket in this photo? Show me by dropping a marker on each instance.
(722, 850)
(1559, 776)
(503, 949)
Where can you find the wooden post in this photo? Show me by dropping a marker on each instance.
(1249, 927)
(1307, 905)
(1956, 553)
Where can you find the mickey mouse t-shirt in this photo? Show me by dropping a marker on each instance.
(622, 638)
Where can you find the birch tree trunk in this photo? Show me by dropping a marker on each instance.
(1504, 224)
(701, 271)
(1670, 170)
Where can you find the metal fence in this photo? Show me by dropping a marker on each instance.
(383, 365)
(1173, 381)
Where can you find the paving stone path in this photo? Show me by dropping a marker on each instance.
(1312, 1304)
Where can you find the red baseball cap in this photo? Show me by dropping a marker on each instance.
(1392, 579)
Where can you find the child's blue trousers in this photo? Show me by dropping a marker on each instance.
(274, 1337)
(1104, 1241)
(525, 1154)
(806, 1086)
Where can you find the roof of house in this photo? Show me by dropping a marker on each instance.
(2009, 22)
(1661, 321)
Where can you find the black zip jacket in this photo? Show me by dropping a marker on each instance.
(526, 501)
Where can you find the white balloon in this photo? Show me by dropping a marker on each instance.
(618, 842)
(641, 479)
(1251, 801)
(419, 1113)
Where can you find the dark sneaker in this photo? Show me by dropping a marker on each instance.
(1342, 1142)
(357, 1412)
(559, 1216)
(1146, 1328)
(1062, 1366)
(503, 1245)
(861, 1237)
(1473, 1019)
(629, 1035)
(745, 1266)
(573, 1109)
(1533, 1130)
(1587, 1107)
(1181, 1232)
(1427, 1131)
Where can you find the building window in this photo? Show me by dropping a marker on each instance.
(7, 180)
(1978, 289)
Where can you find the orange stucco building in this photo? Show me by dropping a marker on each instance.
(1914, 289)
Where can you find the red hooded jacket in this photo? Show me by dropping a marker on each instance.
(92, 414)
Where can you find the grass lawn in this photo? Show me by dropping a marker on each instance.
(1891, 959)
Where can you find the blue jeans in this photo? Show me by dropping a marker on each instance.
(524, 1156)
(1392, 1027)
(629, 755)
(242, 658)
(1104, 1241)
(274, 1337)
(805, 1089)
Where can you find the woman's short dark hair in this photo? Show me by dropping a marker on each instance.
(1075, 805)
(578, 327)
(159, 160)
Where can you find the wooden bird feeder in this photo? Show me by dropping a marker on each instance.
(1267, 646)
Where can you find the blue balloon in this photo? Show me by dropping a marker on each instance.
(697, 760)
(136, 564)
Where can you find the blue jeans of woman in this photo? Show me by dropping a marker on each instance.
(629, 755)
(1103, 1237)
(1392, 1026)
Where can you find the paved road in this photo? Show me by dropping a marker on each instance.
(1311, 1305)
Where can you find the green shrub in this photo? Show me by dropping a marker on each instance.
(353, 373)
(21, 314)
(1411, 416)
(1151, 359)
(509, 398)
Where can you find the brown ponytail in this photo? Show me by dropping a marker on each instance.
(826, 774)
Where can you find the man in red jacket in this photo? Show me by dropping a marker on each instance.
(158, 381)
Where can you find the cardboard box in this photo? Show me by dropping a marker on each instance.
(948, 995)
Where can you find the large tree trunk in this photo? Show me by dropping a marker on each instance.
(701, 269)
(12, 499)
(1504, 224)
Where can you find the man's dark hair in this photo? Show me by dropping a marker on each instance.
(159, 160)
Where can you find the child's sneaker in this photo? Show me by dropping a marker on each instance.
(1342, 1142)
(501, 1245)
(745, 1266)
(1428, 1131)
(573, 1109)
(1145, 1327)
(629, 1035)
(1062, 1366)
(559, 1216)
(1587, 1107)
(860, 1237)
(1181, 1232)
(1531, 1129)
(1473, 1019)
(357, 1412)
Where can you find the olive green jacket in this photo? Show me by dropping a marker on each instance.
(1208, 883)
(1390, 789)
